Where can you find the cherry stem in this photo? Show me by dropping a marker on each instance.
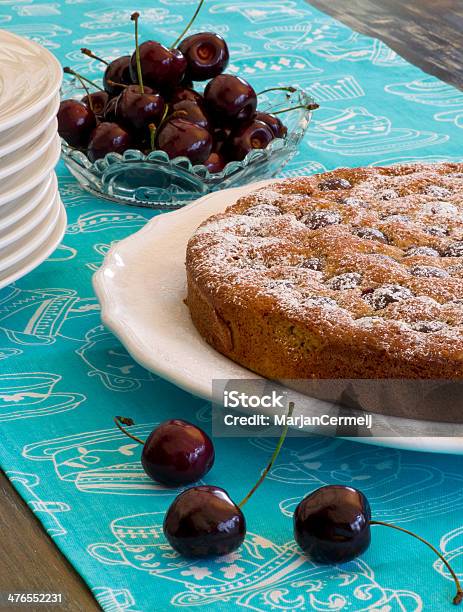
(93, 56)
(459, 596)
(114, 84)
(276, 452)
(189, 24)
(163, 119)
(310, 107)
(135, 17)
(152, 129)
(289, 89)
(81, 78)
(126, 421)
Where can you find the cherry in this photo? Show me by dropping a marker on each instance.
(177, 453)
(117, 72)
(192, 111)
(162, 68)
(203, 521)
(275, 124)
(206, 54)
(182, 94)
(96, 102)
(181, 138)
(332, 525)
(108, 138)
(215, 162)
(230, 100)
(253, 135)
(75, 123)
(137, 108)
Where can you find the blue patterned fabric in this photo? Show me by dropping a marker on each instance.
(63, 376)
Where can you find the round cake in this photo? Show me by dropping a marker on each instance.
(355, 273)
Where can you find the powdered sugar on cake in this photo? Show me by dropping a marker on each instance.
(376, 253)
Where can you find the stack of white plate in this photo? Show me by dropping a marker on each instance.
(32, 217)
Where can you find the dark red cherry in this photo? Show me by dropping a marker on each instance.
(96, 101)
(181, 138)
(203, 521)
(182, 94)
(206, 54)
(192, 111)
(75, 123)
(118, 71)
(215, 162)
(162, 68)
(136, 109)
(177, 453)
(108, 138)
(230, 100)
(253, 135)
(332, 524)
(278, 128)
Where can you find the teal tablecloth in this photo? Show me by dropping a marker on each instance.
(63, 376)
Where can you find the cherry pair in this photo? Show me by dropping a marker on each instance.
(202, 521)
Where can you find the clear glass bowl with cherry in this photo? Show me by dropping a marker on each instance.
(156, 181)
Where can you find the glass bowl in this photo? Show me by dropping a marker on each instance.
(157, 182)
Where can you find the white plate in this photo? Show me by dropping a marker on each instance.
(18, 250)
(34, 149)
(16, 210)
(30, 76)
(33, 260)
(19, 183)
(141, 286)
(20, 135)
(24, 226)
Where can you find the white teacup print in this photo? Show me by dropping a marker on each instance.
(26, 389)
(31, 394)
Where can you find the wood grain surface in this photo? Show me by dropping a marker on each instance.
(427, 33)
(31, 563)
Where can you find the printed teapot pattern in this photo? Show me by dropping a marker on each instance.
(260, 574)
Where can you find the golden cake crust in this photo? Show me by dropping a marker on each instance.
(355, 273)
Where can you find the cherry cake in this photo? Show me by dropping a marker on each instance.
(355, 273)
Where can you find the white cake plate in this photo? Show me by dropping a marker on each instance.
(141, 287)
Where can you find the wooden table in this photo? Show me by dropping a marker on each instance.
(425, 32)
